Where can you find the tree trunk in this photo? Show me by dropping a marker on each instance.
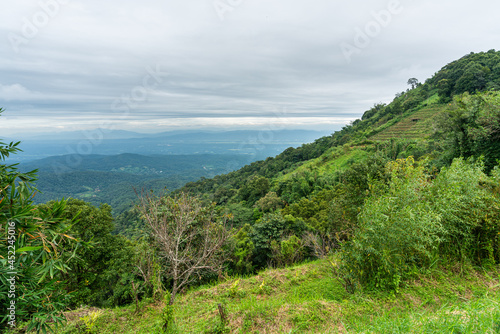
(174, 292)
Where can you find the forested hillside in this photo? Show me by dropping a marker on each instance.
(383, 209)
(112, 179)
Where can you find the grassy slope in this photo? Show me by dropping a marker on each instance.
(308, 298)
(414, 126)
(335, 159)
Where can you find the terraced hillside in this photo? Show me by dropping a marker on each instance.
(414, 126)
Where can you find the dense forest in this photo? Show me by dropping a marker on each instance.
(111, 179)
(388, 204)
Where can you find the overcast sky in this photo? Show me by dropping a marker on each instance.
(159, 65)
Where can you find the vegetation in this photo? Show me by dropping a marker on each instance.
(111, 179)
(309, 298)
(396, 224)
(190, 238)
(32, 242)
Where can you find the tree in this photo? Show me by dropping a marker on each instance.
(255, 188)
(97, 274)
(270, 202)
(413, 82)
(474, 78)
(471, 127)
(31, 251)
(190, 237)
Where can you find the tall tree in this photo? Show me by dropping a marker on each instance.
(413, 82)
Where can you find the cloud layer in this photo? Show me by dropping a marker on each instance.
(159, 65)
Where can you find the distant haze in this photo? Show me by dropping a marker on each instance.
(251, 144)
(165, 65)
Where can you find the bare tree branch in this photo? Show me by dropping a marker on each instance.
(190, 237)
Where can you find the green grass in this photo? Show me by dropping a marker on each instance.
(335, 159)
(309, 298)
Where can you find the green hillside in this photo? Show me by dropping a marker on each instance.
(417, 125)
(390, 225)
(310, 298)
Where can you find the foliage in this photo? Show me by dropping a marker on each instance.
(189, 236)
(415, 221)
(272, 228)
(147, 266)
(471, 127)
(129, 224)
(289, 251)
(398, 230)
(99, 276)
(243, 250)
(89, 321)
(257, 187)
(240, 214)
(270, 202)
(167, 314)
(33, 256)
(470, 213)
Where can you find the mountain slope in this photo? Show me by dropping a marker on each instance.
(410, 119)
(310, 298)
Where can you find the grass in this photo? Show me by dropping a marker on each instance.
(336, 159)
(309, 298)
(415, 126)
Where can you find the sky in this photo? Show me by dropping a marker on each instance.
(152, 66)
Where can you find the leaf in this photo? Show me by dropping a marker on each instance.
(28, 249)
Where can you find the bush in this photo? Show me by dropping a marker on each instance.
(397, 230)
(413, 221)
(242, 251)
(289, 251)
(469, 211)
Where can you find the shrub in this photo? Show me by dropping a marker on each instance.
(243, 249)
(469, 211)
(413, 221)
(289, 251)
(398, 230)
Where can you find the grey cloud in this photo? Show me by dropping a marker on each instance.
(264, 56)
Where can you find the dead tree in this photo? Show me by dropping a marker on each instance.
(190, 237)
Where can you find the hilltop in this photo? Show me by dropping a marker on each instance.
(410, 125)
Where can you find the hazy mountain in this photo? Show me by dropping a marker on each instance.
(253, 144)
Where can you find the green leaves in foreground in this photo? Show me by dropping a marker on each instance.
(31, 256)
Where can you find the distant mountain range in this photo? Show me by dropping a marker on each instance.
(253, 144)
